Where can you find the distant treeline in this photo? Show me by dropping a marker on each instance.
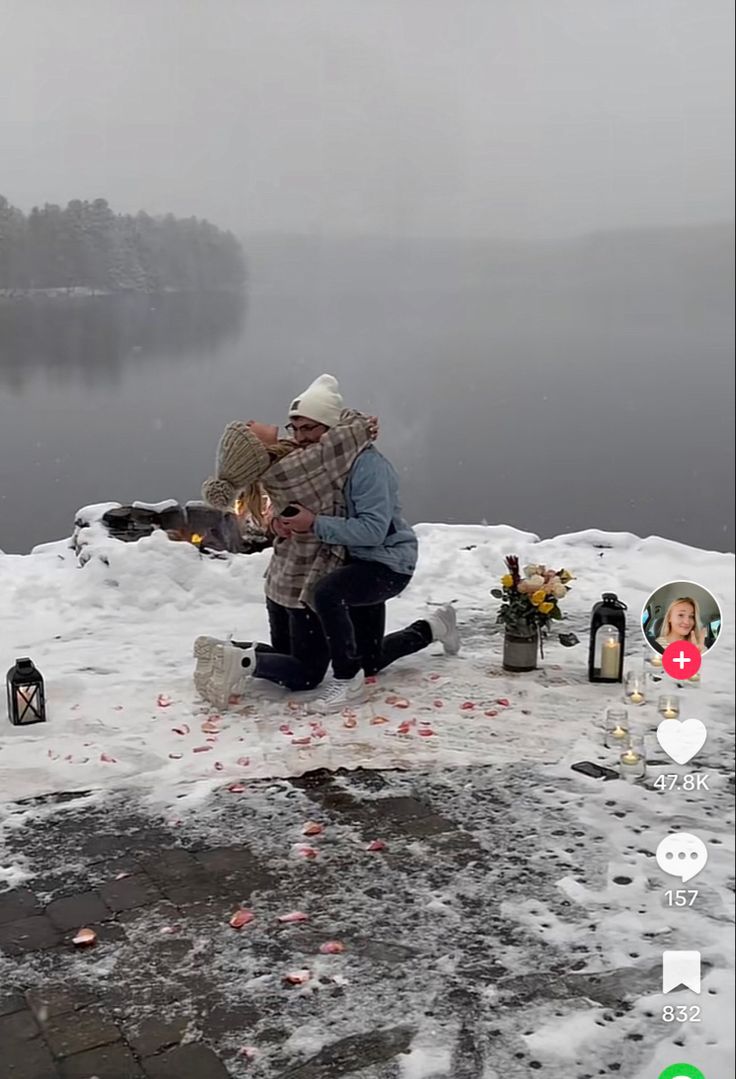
(86, 245)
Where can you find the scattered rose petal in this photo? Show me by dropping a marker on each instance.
(491, 712)
(376, 844)
(318, 730)
(467, 705)
(294, 916)
(249, 1052)
(297, 977)
(85, 938)
(163, 701)
(210, 728)
(438, 703)
(176, 756)
(107, 759)
(214, 717)
(201, 749)
(434, 677)
(331, 947)
(404, 727)
(183, 729)
(349, 713)
(377, 720)
(306, 740)
(243, 762)
(241, 918)
(401, 702)
(350, 722)
(234, 699)
(425, 732)
(169, 930)
(236, 788)
(503, 701)
(306, 851)
(313, 827)
(219, 766)
(211, 738)
(370, 680)
(285, 729)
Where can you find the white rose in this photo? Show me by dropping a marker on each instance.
(535, 582)
(558, 590)
(531, 571)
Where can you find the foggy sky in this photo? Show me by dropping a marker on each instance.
(527, 118)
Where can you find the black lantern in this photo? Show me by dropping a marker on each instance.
(26, 697)
(607, 637)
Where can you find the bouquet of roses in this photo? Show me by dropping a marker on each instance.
(530, 601)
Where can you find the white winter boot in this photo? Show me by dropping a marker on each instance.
(443, 624)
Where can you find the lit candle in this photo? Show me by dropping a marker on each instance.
(632, 765)
(668, 707)
(636, 698)
(610, 656)
(629, 757)
(656, 660)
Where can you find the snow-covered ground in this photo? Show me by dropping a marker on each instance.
(113, 640)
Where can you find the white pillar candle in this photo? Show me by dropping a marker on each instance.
(610, 657)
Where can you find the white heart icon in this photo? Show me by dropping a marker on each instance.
(681, 740)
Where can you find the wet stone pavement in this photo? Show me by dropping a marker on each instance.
(447, 961)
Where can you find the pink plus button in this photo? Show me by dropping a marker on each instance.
(681, 660)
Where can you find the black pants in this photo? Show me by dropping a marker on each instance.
(350, 603)
(298, 655)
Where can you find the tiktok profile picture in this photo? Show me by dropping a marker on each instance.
(681, 611)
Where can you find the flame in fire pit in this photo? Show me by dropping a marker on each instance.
(196, 539)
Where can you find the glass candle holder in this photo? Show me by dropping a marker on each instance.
(635, 688)
(668, 706)
(632, 763)
(617, 728)
(655, 660)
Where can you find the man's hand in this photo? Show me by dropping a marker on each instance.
(302, 522)
(280, 528)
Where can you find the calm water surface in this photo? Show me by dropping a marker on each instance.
(523, 391)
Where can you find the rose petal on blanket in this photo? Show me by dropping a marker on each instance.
(467, 705)
(331, 947)
(305, 851)
(404, 727)
(293, 916)
(503, 701)
(241, 917)
(313, 827)
(107, 759)
(376, 844)
(491, 712)
(425, 732)
(378, 720)
(84, 938)
(297, 977)
(163, 701)
(285, 729)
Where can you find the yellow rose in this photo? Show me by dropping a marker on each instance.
(565, 576)
(507, 580)
(538, 597)
(545, 608)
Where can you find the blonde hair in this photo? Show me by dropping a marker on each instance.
(697, 634)
(254, 497)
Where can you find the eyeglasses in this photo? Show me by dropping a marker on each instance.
(302, 428)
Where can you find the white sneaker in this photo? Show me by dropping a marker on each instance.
(443, 624)
(204, 653)
(231, 669)
(340, 693)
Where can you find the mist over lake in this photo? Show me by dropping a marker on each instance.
(552, 386)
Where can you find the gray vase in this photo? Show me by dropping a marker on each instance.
(520, 652)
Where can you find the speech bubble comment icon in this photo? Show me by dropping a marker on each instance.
(681, 740)
(682, 855)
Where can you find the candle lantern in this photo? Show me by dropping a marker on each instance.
(617, 729)
(668, 706)
(635, 688)
(633, 762)
(26, 696)
(607, 636)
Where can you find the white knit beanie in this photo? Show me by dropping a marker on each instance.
(321, 402)
(241, 460)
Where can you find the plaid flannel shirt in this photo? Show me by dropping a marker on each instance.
(315, 477)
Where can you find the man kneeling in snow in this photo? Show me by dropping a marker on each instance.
(340, 616)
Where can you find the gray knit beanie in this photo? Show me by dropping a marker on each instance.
(241, 460)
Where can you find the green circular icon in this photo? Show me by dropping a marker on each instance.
(681, 1071)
